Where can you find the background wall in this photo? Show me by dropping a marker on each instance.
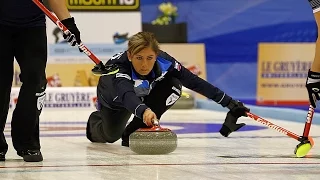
(231, 31)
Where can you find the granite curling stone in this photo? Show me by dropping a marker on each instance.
(152, 141)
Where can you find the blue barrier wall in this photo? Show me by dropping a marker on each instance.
(231, 31)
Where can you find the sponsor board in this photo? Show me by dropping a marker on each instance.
(69, 68)
(282, 73)
(65, 98)
(103, 5)
(61, 98)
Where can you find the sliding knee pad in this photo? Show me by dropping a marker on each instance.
(41, 94)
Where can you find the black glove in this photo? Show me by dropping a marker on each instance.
(103, 70)
(74, 36)
(313, 87)
(237, 109)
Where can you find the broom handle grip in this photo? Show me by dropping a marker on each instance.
(64, 29)
(155, 122)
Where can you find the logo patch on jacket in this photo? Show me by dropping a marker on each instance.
(177, 66)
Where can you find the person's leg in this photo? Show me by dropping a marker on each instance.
(6, 77)
(313, 79)
(161, 98)
(316, 63)
(107, 125)
(31, 55)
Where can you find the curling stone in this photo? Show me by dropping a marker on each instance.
(154, 140)
(303, 148)
(186, 101)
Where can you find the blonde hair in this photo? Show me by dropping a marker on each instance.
(142, 40)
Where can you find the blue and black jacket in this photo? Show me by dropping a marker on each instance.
(125, 88)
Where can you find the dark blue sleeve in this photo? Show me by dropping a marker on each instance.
(197, 84)
(125, 92)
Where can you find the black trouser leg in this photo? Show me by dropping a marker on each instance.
(161, 98)
(6, 77)
(31, 55)
(107, 124)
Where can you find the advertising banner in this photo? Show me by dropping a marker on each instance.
(67, 67)
(100, 21)
(192, 56)
(61, 98)
(282, 72)
(99, 27)
(103, 5)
